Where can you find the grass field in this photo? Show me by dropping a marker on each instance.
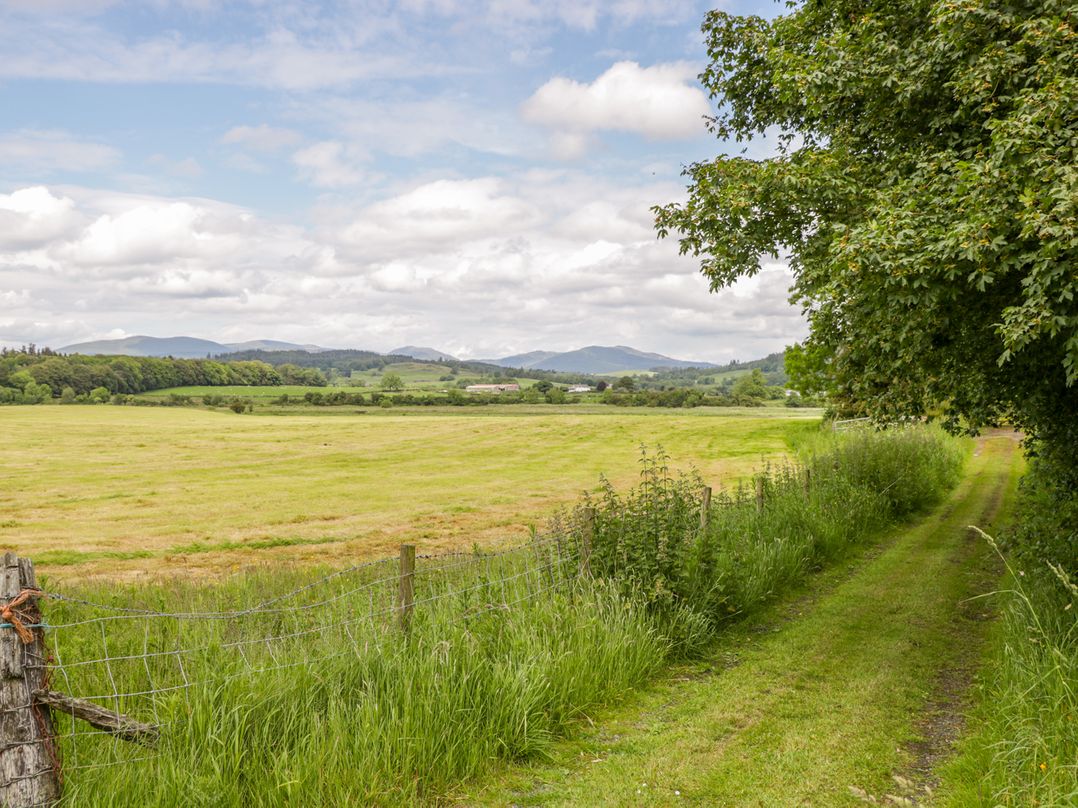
(273, 689)
(127, 491)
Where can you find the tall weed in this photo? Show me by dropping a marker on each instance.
(658, 545)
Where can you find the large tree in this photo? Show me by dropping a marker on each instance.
(924, 189)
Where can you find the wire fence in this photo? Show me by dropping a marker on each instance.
(145, 667)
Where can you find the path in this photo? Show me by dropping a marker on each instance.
(822, 700)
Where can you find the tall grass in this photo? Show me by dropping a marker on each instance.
(1023, 749)
(701, 572)
(504, 653)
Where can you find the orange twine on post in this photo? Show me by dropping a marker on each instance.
(9, 615)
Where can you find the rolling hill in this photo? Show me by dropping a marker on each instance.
(595, 359)
(178, 347)
(420, 352)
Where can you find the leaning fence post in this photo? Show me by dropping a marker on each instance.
(760, 493)
(705, 509)
(28, 762)
(587, 537)
(406, 593)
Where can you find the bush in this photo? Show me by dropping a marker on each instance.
(652, 543)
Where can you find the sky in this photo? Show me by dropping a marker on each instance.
(472, 175)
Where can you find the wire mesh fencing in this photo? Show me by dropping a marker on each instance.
(119, 674)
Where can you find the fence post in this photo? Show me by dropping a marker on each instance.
(806, 483)
(406, 593)
(759, 493)
(28, 762)
(587, 537)
(705, 509)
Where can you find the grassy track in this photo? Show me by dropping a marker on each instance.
(127, 490)
(856, 682)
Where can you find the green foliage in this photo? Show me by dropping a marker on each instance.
(752, 386)
(653, 543)
(626, 383)
(392, 381)
(556, 396)
(925, 190)
(122, 374)
(1024, 749)
(379, 718)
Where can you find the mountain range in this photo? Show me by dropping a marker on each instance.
(595, 359)
(179, 347)
(591, 359)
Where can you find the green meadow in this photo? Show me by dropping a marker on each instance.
(134, 491)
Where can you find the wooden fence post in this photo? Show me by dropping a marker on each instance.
(705, 509)
(759, 493)
(406, 593)
(806, 483)
(587, 537)
(28, 763)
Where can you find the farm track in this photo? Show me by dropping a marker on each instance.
(849, 693)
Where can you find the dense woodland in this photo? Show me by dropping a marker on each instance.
(30, 375)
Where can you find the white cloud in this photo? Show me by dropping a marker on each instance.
(331, 164)
(74, 50)
(485, 266)
(411, 128)
(32, 217)
(437, 216)
(658, 102)
(44, 152)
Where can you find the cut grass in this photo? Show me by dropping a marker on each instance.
(317, 697)
(798, 711)
(102, 481)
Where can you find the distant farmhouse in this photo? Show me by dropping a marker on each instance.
(580, 388)
(493, 388)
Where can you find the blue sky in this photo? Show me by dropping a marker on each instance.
(470, 174)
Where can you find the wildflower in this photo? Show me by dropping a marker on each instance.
(1044, 767)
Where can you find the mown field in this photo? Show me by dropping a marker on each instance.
(127, 492)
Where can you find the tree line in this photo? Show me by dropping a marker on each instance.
(30, 375)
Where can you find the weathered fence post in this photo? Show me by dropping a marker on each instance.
(705, 509)
(587, 538)
(28, 762)
(406, 593)
(806, 482)
(760, 493)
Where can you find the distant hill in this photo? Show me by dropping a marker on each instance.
(595, 359)
(271, 345)
(419, 352)
(524, 360)
(179, 347)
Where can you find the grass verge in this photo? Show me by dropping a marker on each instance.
(820, 699)
(1023, 747)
